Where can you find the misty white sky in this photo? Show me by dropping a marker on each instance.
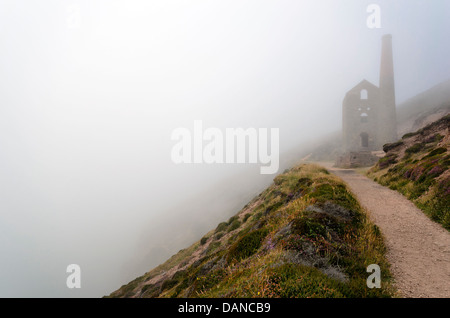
(90, 92)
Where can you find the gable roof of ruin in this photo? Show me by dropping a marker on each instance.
(363, 84)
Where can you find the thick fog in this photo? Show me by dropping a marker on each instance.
(91, 92)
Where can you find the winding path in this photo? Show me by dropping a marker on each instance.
(418, 248)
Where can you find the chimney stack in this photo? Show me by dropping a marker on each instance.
(387, 91)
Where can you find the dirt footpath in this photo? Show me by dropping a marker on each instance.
(418, 248)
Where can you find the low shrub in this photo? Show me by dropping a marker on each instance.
(411, 134)
(234, 225)
(435, 152)
(415, 148)
(388, 147)
(386, 161)
(247, 245)
(221, 227)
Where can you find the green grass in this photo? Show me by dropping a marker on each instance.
(420, 183)
(421, 174)
(304, 236)
(246, 245)
(234, 225)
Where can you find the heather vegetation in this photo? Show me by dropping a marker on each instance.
(418, 167)
(304, 236)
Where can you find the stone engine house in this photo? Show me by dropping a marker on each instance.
(361, 117)
(368, 112)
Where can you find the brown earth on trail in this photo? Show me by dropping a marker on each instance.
(418, 249)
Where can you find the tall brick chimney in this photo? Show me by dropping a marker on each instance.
(387, 92)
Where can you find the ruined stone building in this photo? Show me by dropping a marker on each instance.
(369, 115)
(368, 112)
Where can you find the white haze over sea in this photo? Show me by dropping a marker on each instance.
(91, 91)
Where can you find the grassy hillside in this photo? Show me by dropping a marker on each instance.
(304, 236)
(418, 167)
